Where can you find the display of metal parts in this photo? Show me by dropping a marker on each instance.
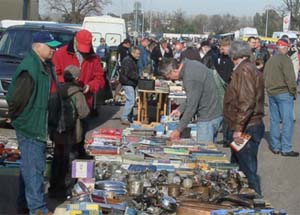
(103, 171)
(168, 204)
(136, 188)
(142, 202)
(119, 188)
(81, 198)
(174, 190)
(79, 189)
(187, 183)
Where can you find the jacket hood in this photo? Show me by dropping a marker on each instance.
(68, 89)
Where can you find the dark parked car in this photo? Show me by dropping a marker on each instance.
(15, 44)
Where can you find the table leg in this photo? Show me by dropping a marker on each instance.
(158, 107)
(146, 107)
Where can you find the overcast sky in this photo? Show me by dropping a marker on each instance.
(209, 7)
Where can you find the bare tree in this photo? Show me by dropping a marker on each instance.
(200, 22)
(274, 22)
(74, 11)
(294, 7)
(223, 24)
(245, 21)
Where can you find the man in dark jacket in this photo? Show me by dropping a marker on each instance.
(208, 55)
(225, 69)
(129, 77)
(225, 64)
(123, 50)
(161, 51)
(244, 110)
(27, 100)
(260, 51)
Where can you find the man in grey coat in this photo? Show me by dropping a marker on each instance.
(202, 97)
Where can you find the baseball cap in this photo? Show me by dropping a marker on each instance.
(46, 38)
(84, 41)
(282, 42)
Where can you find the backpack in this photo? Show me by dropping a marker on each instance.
(69, 113)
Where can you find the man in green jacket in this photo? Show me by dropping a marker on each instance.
(282, 91)
(27, 99)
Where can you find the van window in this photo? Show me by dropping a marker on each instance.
(113, 39)
(96, 39)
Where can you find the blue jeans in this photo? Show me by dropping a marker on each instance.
(33, 161)
(207, 131)
(247, 157)
(281, 108)
(130, 100)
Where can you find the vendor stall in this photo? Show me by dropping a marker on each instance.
(139, 171)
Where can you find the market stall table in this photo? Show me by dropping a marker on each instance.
(161, 104)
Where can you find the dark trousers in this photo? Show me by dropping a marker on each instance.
(226, 133)
(247, 157)
(65, 151)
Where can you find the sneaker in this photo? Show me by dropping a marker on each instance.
(125, 122)
(290, 154)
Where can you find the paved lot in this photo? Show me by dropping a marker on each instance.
(280, 176)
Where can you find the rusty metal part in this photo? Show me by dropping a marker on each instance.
(174, 190)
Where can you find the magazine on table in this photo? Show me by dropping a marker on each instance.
(236, 146)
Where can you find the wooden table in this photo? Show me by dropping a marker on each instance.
(161, 104)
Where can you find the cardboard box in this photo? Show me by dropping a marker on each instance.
(82, 168)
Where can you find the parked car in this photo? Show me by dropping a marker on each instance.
(15, 44)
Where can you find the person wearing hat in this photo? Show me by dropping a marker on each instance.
(66, 142)
(79, 52)
(282, 91)
(27, 100)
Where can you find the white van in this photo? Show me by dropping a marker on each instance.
(248, 32)
(112, 29)
(279, 34)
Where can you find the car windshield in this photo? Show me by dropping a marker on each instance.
(17, 42)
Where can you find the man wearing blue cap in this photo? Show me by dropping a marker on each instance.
(27, 99)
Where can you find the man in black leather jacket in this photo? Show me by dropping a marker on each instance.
(129, 77)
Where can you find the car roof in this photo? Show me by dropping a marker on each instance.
(49, 27)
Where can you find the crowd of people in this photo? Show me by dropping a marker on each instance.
(51, 94)
(225, 84)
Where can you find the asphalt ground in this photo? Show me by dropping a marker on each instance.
(280, 176)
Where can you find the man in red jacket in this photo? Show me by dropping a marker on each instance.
(79, 52)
